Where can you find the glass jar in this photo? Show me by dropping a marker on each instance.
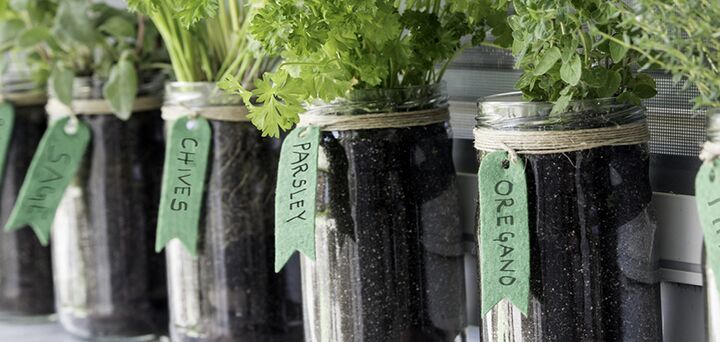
(26, 288)
(594, 267)
(710, 279)
(109, 282)
(230, 291)
(389, 249)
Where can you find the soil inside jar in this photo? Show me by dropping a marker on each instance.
(122, 276)
(389, 261)
(26, 284)
(231, 289)
(594, 267)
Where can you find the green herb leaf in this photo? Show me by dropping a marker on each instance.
(617, 51)
(549, 58)
(32, 37)
(121, 88)
(571, 71)
(61, 83)
(72, 20)
(118, 27)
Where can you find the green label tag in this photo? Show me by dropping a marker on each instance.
(181, 201)
(504, 232)
(7, 120)
(707, 195)
(295, 195)
(53, 166)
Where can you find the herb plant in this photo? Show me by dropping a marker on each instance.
(683, 38)
(87, 39)
(208, 40)
(332, 46)
(566, 51)
(22, 28)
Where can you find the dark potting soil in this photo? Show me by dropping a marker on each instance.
(26, 284)
(389, 264)
(240, 296)
(594, 267)
(124, 278)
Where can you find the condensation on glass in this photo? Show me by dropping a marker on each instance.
(109, 281)
(230, 291)
(710, 283)
(26, 288)
(594, 263)
(389, 263)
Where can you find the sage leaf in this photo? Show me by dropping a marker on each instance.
(118, 27)
(548, 60)
(72, 20)
(571, 71)
(121, 88)
(32, 36)
(61, 84)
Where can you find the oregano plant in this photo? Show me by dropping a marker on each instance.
(566, 51)
(330, 47)
(681, 37)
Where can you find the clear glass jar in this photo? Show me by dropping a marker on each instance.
(389, 249)
(710, 279)
(109, 282)
(230, 292)
(593, 259)
(26, 288)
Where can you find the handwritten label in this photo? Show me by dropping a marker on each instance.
(53, 166)
(183, 183)
(707, 195)
(295, 195)
(504, 232)
(7, 120)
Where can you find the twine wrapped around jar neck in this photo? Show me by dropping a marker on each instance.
(202, 99)
(24, 99)
(505, 122)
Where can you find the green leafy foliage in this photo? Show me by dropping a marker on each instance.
(683, 38)
(572, 49)
(209, 40)
(84, 38)
(331, 47)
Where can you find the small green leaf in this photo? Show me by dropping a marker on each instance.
(72, 21)
(121, 88)
(31, 37)
(561, 104)
(119, 27)
(61, 83)
(571, 71)
(611, 86)
(548, 60)
(629, 98)
(645, 86)
(617, 51)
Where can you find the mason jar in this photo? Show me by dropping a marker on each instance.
(230, 292)
(26, 287)
(389, 247)
(594, 268)
(710, 279)
(109, 282)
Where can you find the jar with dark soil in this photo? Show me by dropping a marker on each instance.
(389, 255)
(594, 268)
(110, 283)
(230, 292)
(26, 284)
(710, 279)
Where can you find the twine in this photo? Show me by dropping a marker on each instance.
(217, 113)
(549, 142)
(710, 151)
(375, 121)
(55, 108)
(25, 99)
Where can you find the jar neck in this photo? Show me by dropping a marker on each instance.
(370, 101)
(511, 112)
(199, 94)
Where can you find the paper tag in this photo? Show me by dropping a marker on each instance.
(183, 183)
(504, 232)
(7, 120)
(707, 195)
(295, 195)
(53, 166)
